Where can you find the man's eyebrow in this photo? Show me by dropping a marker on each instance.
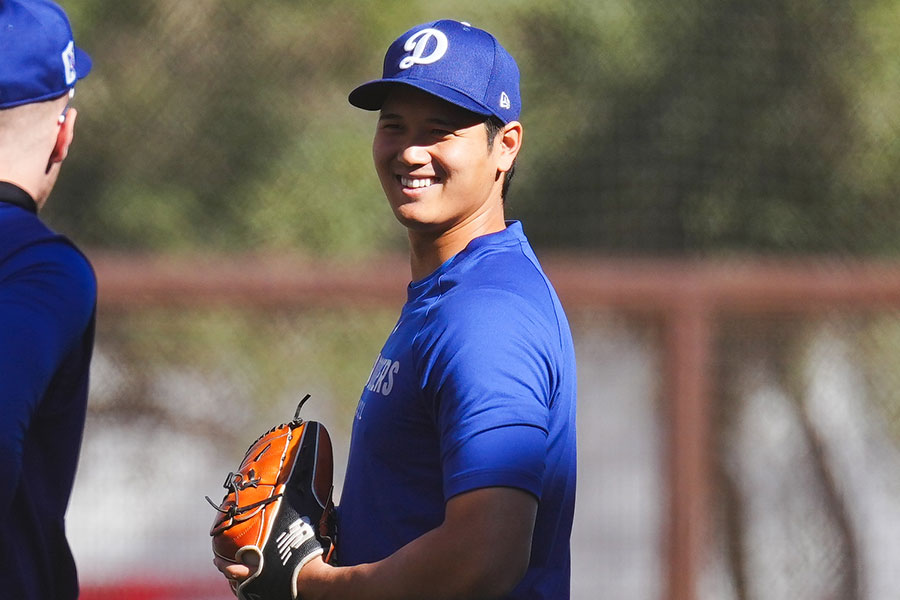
(446, 122)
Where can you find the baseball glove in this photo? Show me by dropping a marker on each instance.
(278, 506)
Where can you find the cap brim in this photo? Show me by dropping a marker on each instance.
(83, 63)
(371, 95)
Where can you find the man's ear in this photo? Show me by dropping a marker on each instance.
(510, 142)
(64, 137)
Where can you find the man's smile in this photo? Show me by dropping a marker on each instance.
(417, 182)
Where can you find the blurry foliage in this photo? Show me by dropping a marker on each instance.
(735, 127)
(174, 362)
(701, 127)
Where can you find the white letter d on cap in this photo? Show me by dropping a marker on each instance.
(417, 44)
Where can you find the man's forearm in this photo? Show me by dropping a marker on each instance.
(480, 551)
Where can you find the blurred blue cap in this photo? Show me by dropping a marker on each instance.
(38, 57)
(454, 61)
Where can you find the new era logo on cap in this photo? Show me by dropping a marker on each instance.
(39, 58)
(454, 61)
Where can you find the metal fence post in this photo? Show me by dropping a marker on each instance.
(687, 337)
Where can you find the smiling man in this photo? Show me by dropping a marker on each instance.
(441, 172)
(461, 476)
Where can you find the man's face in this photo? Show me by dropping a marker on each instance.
(433, 161)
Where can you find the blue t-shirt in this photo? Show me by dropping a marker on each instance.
(47, 298)
(474, 388)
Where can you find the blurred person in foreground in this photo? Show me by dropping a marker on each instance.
(47, 300)
(461, 476)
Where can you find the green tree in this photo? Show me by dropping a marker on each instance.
(702, 127)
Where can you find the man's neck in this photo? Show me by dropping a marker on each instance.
(428, 251)
(10, 193)
(36, 186)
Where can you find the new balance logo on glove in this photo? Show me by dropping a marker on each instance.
(297, 533)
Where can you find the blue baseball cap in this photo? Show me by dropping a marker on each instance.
(38, 57)
(454, 61)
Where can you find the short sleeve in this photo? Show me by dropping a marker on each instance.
(488, 371)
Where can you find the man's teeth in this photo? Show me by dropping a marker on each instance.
(416, 183)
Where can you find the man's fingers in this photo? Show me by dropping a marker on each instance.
(233, 571)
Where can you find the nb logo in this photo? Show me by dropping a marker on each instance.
(298, 532)
(417, 44)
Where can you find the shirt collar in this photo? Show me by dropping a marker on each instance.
(13, 194)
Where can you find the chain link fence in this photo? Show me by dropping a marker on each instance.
(808, 457)
(705, 128)
(710, 129)
(804, 454)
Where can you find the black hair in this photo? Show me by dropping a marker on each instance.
(494, 126)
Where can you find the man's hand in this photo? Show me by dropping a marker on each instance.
(315, 570)
(235, 573)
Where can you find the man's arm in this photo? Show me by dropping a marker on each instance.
(480, 551)
(46, 300)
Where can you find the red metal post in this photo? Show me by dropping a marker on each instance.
(687, 339)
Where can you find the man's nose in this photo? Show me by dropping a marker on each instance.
(414, 153)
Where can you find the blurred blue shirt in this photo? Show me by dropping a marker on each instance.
(47, 302)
